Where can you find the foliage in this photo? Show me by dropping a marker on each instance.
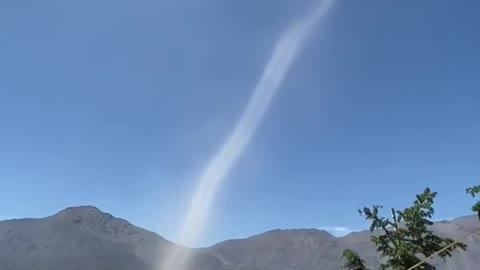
(407, 235)
(474, 191)
(352, 260)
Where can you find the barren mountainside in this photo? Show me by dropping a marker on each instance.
(88, 239)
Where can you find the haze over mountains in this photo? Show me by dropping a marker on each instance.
(88, 239)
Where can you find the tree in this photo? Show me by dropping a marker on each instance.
(474, 191)
(352, 260)
(407, 236)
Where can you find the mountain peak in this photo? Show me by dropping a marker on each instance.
(84, 214)
(82, 208)
(312, 232)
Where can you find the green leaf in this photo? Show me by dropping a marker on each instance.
(413, 238)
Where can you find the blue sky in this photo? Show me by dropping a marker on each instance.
(120, 104)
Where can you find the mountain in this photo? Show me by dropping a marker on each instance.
(86, 238)
(82, 238)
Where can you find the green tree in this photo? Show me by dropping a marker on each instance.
(352, 260)
(474, 191)
(407, 236)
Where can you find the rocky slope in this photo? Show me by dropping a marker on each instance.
(88, 239)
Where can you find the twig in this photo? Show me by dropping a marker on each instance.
(441, 250)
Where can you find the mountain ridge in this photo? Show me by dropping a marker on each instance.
(99, 211)
(84, 237)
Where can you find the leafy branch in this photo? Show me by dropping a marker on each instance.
(407, 236)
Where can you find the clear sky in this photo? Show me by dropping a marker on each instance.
(120, 104)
